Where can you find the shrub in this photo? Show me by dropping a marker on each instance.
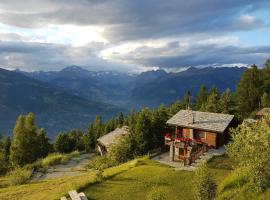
(204, 185)
(156, 194)
(121, 150)
(235, 180)
(54, 159)
(74, 153)
(101, 163)
(19, 176)
(250, 148)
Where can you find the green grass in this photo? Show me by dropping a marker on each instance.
(58, 158)
(137, 179)
(140, 181)
(47, 190)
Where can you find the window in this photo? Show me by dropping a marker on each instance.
(201, 135)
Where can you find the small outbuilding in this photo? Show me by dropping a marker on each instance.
(105, 141)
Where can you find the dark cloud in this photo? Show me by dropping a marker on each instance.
(196, 55)
(138, 21)
(131, 20)
(38, 56)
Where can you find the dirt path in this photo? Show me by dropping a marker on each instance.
(74, 167)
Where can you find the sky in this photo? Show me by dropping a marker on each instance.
(133, 36)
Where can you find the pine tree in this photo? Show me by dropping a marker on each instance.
(90, 139)
(142, 134)
(159, 128)
(19, 143)
(211, 104)
(44, 147)
(265, 100)
(175, 107)
(25, 146)
(6, 148)
(121, 119)
(249, 90)
(187, 100)
(201, 97)
(226, 102)
(62, 143)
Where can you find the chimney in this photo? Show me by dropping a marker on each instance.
(192, 118)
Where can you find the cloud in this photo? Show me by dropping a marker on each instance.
(42, 56)
(128, 34)
(194, 51)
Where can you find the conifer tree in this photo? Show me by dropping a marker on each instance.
(201, 97)
(265, 100)
(175, 107)
(187, 100)
(19, 143)
(44, 147)
(249, 90)
(142, 133)
(225, 102)
(211, 104)
(159, 128)
(62, 143)
(121, 119)
(6, 148)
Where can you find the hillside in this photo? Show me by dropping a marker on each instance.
(104, 86)
(133, 180)
(149, 88)
(55, 109)
(170, 86)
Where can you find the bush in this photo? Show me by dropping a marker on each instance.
(101, 163)
(235, 180)
(250, 148)
(19, 176)
(74, 153)
(121, 150)
(204, 185)
(54, 159)
(156, 194)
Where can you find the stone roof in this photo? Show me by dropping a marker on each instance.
(109, 138)
(263, 112)
(215, 122)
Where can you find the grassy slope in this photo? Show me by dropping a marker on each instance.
(137, 182)
(46, 190)
(134, 180)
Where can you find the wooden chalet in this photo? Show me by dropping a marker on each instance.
(105, 141)
(195, 133)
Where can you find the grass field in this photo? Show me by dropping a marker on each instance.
(135, 180)
(148, 177)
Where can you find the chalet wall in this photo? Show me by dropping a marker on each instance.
(211, 139)
(186, 132)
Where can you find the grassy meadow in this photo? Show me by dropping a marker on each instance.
(136, 179)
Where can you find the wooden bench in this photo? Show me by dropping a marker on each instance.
(74, 195)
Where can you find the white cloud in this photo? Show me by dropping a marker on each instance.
(57, 34)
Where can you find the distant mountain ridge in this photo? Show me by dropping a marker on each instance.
(171, 86)
(149, 88)
(56, 109)
(72, 97)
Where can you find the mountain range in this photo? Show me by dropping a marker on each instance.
(72, 97)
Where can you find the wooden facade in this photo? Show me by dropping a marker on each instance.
(196, 132)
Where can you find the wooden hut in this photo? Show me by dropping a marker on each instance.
(195, 132)
(105, 141)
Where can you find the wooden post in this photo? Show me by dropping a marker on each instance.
(171, 152)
